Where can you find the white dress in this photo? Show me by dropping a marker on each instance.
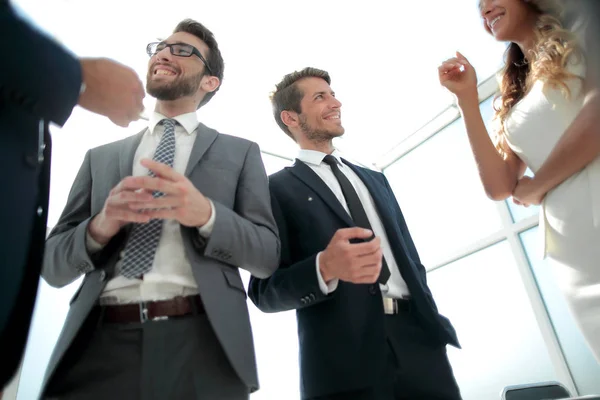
(570, 213)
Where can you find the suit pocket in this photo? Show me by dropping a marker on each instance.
(234, 281)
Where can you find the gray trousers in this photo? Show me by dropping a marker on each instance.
(178, 358)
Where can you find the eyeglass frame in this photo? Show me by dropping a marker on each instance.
(170, 46)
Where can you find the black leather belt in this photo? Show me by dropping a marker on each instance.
(152, 310)
(395, 306)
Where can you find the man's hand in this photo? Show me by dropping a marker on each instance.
(112, 90)
(181, 202)
(527, 192)
(116, 212)
(356, 263)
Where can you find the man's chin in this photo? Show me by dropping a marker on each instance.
(339, 132)
(162, 92)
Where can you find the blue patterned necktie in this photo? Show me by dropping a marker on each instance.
(143, 240)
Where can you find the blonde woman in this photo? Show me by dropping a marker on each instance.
(547, 118)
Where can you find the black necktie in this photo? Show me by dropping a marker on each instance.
(356, 208)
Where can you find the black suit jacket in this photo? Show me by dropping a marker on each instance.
(342, 338)
(39, 83)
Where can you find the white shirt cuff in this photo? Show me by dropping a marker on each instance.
(91, 245)
(206, 229)
(326, 288)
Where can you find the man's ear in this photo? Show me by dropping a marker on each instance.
(210, 83)
(290, 118)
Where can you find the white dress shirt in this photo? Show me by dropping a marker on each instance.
(171, 273)
(396, 286)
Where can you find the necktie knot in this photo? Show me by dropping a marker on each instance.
(331, 160)
(168, 123)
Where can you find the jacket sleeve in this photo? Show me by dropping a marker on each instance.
(66, 257)
(246, 236)
(293, 285)
(37, 74)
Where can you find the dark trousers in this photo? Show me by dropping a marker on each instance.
(417, 367)
(179, 358)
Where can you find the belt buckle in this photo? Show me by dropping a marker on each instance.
(390, 306)
(144, 314)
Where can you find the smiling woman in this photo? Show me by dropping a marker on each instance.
(547, 120)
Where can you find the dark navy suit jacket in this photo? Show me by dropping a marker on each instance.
(39, 83)
(341, 335)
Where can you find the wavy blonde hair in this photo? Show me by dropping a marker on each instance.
(548, 60)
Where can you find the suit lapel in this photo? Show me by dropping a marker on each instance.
(312, 180)
(127, 154)
(388, 220)
(204, 139)
(384, 210)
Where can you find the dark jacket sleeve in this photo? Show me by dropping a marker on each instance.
(37, 73)
(294, 285)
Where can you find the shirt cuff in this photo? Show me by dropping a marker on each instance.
(326, 288)
(206, 229)
(91, 245)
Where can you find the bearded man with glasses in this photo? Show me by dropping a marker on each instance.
(159, 223)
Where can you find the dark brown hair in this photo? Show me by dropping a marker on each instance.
(555, 46)
(214, 59)
(287, 95)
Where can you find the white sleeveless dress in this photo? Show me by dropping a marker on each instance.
(570, 213)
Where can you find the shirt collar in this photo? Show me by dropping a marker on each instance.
(188, 121)
(316, 157)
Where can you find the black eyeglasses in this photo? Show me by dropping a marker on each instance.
(177, 49)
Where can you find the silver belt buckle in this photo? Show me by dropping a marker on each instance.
(390, 306)
(144, 314)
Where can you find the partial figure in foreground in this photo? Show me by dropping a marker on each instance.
(41, 83)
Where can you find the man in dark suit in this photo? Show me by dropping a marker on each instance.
(40, 83)
(368, 326)
(161, 312)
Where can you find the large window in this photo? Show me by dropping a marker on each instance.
(483, 296)
(584, 368)
(488, 276)
(438, 189)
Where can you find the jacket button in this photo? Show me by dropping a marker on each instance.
(31, 160)
(373, 289)
(40, 211)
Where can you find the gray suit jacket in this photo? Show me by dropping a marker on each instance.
(226, 169)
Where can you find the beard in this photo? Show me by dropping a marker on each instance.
(180, 87)
(318, 135)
